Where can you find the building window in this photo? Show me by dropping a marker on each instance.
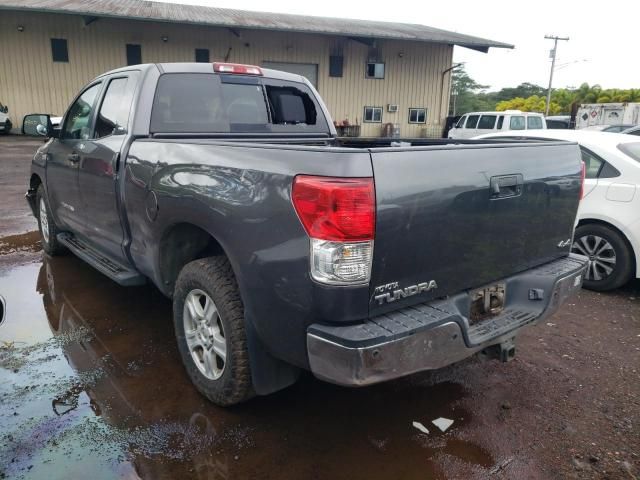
(202, 55)
(134, 54)
(375, 70)
(373, 114)
(59, 50)
(335, 65)
(417, 115)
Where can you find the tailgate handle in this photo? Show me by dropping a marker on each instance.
(505, 186)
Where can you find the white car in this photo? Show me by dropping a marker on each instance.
(479, 123)
(608, 230)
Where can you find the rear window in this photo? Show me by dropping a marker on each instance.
(211, 103)
(534, 122)
(631, 149)
(460, 123)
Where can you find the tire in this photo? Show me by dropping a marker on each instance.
(610, 257)
(48, 229)
(223, 380)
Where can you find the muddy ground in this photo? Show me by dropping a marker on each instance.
(91, 385)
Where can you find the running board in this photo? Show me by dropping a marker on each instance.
(114, 270)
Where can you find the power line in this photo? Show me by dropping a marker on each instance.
(555, 39)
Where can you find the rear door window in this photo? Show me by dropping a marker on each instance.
(534, 122)
(487, 122)
(113, 116)
(211, 103)
(500, 122)
(517, 123)
(472, 121)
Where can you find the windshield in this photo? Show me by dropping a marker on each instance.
(631, 149)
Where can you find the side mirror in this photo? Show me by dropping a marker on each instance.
(37, 125)
(4, 109)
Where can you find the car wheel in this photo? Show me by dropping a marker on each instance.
(47, 226)
(610, 258)
(209, 324)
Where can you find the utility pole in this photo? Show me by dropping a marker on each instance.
(553, 64)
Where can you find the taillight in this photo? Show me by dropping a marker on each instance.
(583, 173)
(338, 214)
(236, 68)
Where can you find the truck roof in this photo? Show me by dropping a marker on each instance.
(193, 67)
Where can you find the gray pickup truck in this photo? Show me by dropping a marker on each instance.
(285, 248)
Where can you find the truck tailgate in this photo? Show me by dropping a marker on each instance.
(456, 218)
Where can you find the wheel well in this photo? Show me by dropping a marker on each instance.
(591, 221)
(180, 245)
(34, 182)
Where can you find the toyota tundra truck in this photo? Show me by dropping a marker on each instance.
(285, 248)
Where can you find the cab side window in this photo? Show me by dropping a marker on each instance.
(500, 122)
(77, 125)
(472, 121)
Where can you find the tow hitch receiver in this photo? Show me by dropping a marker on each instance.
(505, 351)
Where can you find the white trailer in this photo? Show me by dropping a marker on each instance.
(608, 114)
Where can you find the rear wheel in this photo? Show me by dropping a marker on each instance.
(46, 225)
(610, 258)
(209, 323)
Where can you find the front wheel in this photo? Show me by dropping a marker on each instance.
(208, 319)
(46, 225)
(610, 258)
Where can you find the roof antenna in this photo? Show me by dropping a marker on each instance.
(228, 55)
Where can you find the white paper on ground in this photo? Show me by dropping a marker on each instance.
(421, 427)
(442, 423)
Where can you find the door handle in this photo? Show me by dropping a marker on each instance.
(504, 186)
(73, 157)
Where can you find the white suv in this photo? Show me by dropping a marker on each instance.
(479, 123)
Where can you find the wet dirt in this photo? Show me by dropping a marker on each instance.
(16, 153)
(91, 385)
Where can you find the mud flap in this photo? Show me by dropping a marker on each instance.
(268, 373)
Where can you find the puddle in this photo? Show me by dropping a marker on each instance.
(91, 383)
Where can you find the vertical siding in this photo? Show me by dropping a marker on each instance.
(31, 82)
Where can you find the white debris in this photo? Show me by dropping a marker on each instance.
(442, 423)
(421, 427)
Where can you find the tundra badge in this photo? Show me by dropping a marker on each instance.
(390, 292)
(564, 243)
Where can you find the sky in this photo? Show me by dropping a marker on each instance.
(602, 46)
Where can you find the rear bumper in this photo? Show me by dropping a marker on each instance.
(437, 334)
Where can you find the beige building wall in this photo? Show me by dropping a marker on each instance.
(31, 82)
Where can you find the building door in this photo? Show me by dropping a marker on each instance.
(309, 70)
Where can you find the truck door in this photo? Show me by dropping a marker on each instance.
(99, 165)
(64, 159)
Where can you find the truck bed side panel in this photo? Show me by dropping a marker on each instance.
(241, 196)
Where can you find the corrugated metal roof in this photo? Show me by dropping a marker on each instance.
(230, 18)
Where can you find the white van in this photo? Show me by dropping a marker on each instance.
(478, 123)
